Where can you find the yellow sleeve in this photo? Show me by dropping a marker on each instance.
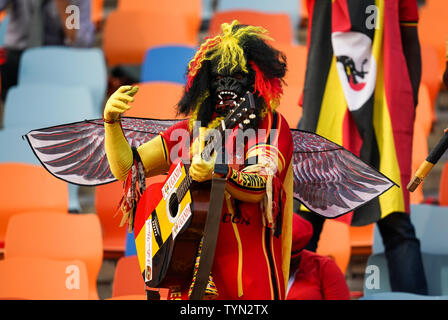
(118, 150)
(154, 156)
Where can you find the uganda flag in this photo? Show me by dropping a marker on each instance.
(358, 93)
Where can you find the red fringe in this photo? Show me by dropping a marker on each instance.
(268, 88)
(195, 64)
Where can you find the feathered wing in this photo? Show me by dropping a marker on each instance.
(330, 180)
(75, 152)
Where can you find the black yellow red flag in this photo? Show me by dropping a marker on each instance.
(357, 91)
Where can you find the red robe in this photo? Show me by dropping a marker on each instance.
(250, 256)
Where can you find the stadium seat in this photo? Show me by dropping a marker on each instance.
(126, 46)
(443, 186)
(401, 296)
(335, 243)
(128, 279)
(31, 278)
(278, 24)
(304, 9)
(436, 271)
(66, 66)
(424, 119)
(433, 29)
(35, 106)
(361, 240)
(107, 199)
(288, 7)
(431, 75)
(15, 148)
(191, 10)
(58, 236)
(424, 113)
(430, 223)
(130, 297)
(167, 63)
(3, 25)
(294, 80)
(97, 11)
(28, 188)
(156, 100)
(419, 154)
(208, 8)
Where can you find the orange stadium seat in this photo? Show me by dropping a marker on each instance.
(431, 74)
(191, 9)
(361, 240)
(304, 11)
(278, 24)
(424, 112)
(30, 278)
(27, 187)
(419, 154)
(156, 100)
(335, 243)
(143, 30)
(294, 80)
(422, 128)
(107, 199)
(60, 237)
(433, 27)
(128, 278)
(130, 297)
(443, 186)
(97, 11)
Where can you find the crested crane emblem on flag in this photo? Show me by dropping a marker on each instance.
(355, 77)
(356, 67)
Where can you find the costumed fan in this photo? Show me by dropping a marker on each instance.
(233, 78)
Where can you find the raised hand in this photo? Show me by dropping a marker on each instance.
(118, 103)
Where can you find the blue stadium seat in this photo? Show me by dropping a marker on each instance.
(430, 222)
(290, 7)
(29, 107)
(3, 26)
(167, 63)
(35, 106)
(207, 9)
(14, 148)
(436, 271)
(401, 296)
(66, 66)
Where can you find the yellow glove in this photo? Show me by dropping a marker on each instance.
(118, 102)
(118, 151)
(200, 169)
